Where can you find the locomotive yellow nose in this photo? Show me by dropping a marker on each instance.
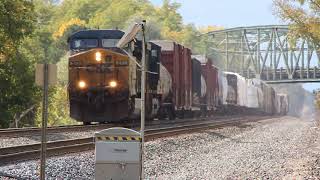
(113, 84)
(98, 56)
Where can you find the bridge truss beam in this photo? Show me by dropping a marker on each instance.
(266, 52)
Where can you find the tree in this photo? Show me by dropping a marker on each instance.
(16, 22)
(305, 22)
(58, 108)
(303, 15)
(36, 31)
(17, 90)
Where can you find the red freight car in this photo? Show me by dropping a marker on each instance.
(177, 60)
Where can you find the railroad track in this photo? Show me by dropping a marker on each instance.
(32, 151)
(18, 132)
(13, 132)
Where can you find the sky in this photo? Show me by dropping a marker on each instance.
(226, 13)
(230, 13)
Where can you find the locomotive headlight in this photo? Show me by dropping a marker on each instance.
(98, 56)
(113, 84)
(82, 84)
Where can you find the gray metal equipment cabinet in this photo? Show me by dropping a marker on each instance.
(117, 154)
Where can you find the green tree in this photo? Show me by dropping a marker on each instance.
(39, 29)
(16, 22)
(58, 108)
(17, 90)
(303, 15)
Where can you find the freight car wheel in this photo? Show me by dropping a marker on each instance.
(166, 111)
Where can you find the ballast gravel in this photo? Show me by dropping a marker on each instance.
(18, 141)
(279, 148)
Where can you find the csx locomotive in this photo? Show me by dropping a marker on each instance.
(104, 82)
(104, 85)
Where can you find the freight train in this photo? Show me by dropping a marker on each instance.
(104, 82)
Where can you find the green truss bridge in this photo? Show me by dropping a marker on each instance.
(265, 52)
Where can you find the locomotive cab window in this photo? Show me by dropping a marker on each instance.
(108, 43)
(85, 43)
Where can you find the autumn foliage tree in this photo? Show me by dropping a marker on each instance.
(303, 17)
(37, 31)
(16, 22)
(17, 90)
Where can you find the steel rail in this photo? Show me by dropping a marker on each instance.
(18, 132)
(35, 130)
(32, 151)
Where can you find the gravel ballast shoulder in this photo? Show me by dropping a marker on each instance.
(280, 148)
(18, 141)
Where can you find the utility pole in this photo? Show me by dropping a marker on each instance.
(127, 38)
(44, 122)
(143, 95)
